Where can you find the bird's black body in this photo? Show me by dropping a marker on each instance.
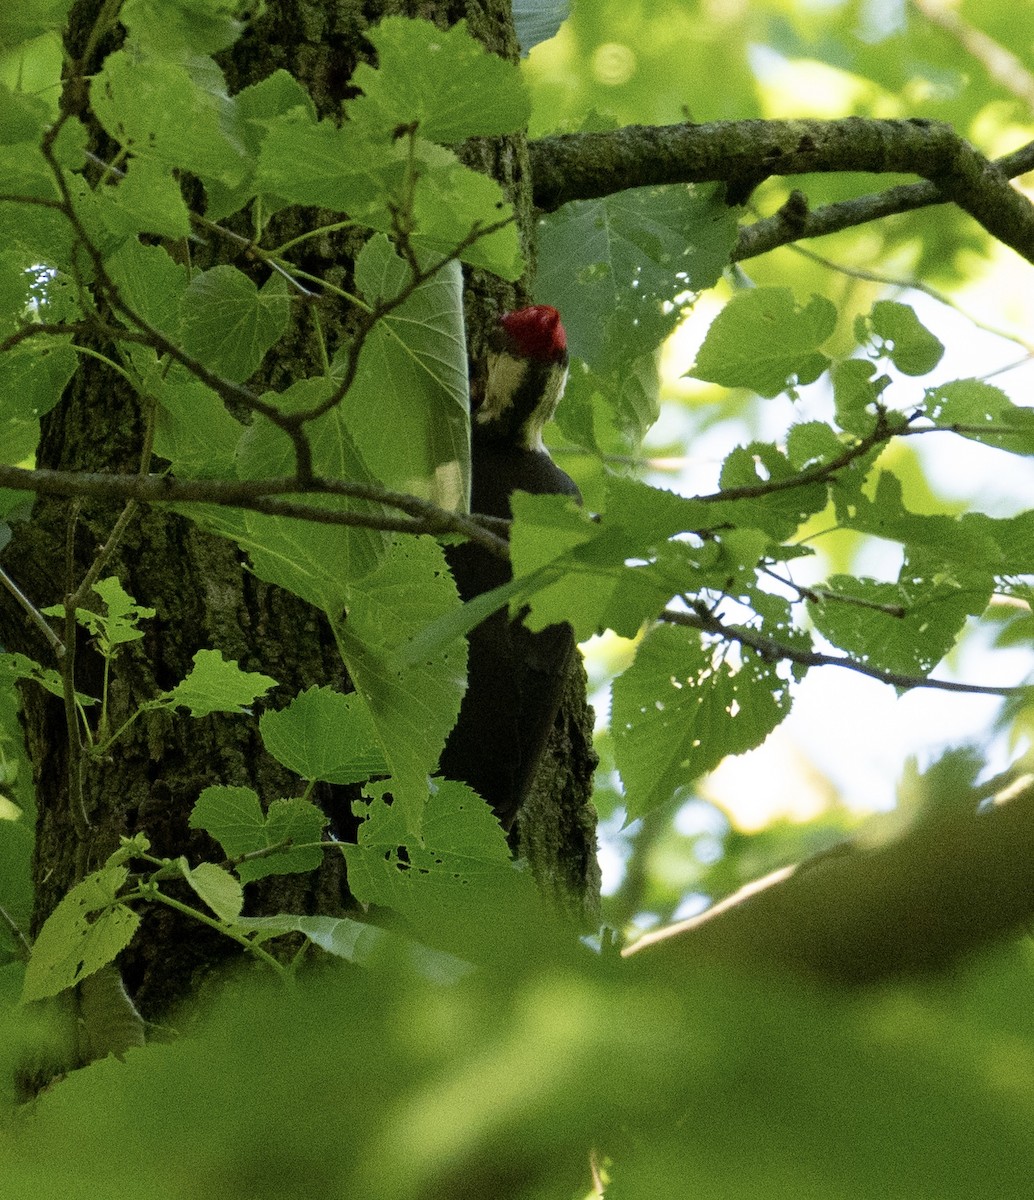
(515, 677)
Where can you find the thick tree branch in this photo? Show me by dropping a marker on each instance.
(944, 890)
(794, 221)
(590, 165)
(258, 495)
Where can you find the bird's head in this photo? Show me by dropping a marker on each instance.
(527, 371)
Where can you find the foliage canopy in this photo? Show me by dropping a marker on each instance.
(479, 1049)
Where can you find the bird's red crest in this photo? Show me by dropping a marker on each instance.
(537, 332)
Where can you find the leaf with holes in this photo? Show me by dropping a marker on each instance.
(413, 707)
(682, 706)
(87, 929)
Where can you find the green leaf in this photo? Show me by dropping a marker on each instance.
(619, 268)
(217, 888)
(22, 118)
(277, 95)
(896, 332)
(413, 707)
(682, 706)
(350, 170)
(119, 624)
(446, 630)
(546, 528)
(324, 735)
(32, 377)
(408, 409)
(195, 432)
(764, 341)
(778, 512)
(21, 22)
(310, 162)
(150, 283)
(538, 20)
(460, 870)
(234, 817)
(451, 200)
(546, 531)
(812, 443)
(621, 569)
(985, 413)
(148, 200)
(440, 80)
(651, 515)
(906, 626)
(316, 562)
(18, 666)
(340, 936)
(156, 109)
(229, 324)
(86, 930)
(71, 143)
(359, 942)
(215, 685)
(123, 613)
(295, 821)
(180, 29)
(971, 542)
(856, 393)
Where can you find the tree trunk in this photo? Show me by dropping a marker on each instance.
(204, 594)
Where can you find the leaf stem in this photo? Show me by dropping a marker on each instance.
(242, 939)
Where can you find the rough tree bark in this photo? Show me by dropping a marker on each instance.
(200, 585)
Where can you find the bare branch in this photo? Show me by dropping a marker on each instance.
(34, 614)
(257, 495)
(769, 648)
(794, 221)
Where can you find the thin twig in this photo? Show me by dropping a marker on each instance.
(772, 650)
(795, 221)
(913, 285)
(1002, 65)
(34, 614)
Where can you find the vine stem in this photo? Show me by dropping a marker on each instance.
(242, 939)
(34, 614)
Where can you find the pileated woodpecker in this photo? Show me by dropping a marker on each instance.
(515, 677)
